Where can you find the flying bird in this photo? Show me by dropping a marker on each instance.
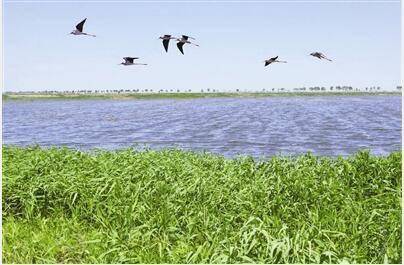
(129, 61)
(79, 29)
(273, 60)
(319, 55)
(182, 41)
(166, 40)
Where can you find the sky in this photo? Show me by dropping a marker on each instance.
(362, 38)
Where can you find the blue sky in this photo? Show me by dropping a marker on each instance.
(363, 39)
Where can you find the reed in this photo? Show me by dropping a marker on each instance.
(172, 206)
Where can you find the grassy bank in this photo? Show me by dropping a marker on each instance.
(123, 96)
(173, 206)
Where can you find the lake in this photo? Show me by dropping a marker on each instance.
(323, 125)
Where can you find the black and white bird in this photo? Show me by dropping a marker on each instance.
(273, 60)
(166, 40)
(319, 55)
(129, 61)
(182, 41)
(79, 29)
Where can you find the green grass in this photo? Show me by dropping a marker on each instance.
(172, 206)
(123, 96)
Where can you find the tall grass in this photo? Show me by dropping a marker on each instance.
(172, 206)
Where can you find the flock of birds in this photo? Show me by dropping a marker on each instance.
(180, 43)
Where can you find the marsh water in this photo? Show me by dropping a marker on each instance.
(323, 125)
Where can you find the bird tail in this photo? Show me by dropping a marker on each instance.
(282, 61)
(328, 59)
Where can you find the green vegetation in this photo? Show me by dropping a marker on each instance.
(42, 96)
(128, 206)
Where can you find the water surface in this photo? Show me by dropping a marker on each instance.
(323, 125)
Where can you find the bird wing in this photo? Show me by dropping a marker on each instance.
(324, 57)
(274, 58)
(130, 59)
(179, 45)
(185, 37)
(165, 44)
(79, 26)
(167, 36)
(267, 63)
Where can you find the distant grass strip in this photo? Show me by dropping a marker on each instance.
(172, 206)
(123, 96)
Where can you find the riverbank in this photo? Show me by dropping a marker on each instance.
(172, 206)
(123, 96)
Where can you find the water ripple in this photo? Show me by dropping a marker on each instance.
(230, 126)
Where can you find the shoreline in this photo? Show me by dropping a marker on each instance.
(137, 96)
(139, 148)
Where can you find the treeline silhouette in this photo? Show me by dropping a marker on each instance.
(208, 90)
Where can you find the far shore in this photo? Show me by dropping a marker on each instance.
(181, 95)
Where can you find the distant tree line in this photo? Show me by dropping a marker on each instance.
(207, 90)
